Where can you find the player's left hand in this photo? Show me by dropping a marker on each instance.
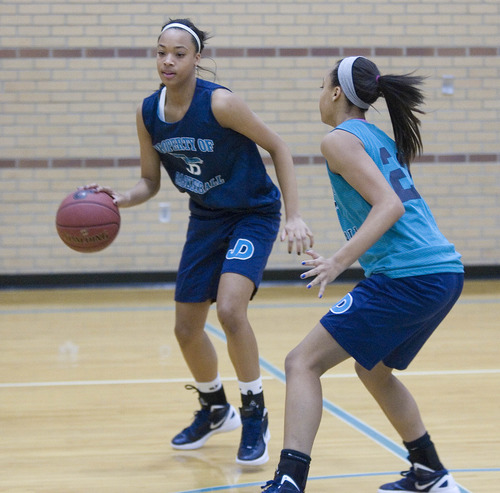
(298, 233)
(326, 270)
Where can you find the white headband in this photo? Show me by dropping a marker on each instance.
(186, 28)
(344, 74)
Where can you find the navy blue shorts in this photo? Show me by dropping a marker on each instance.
(389, 320)
(238, 243)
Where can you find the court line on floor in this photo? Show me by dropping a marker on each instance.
(211, 489)
(145, 381)
(256, 304)
(187, 380)
(337, 411)
(318, 478)
(349, 419)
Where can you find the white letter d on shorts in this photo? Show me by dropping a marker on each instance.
(343, 305)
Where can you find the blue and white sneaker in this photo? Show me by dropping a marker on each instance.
(421, 479)
(285, 484)
(254, 436)
(207, 422)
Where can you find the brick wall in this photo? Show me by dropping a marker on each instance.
(72, 74)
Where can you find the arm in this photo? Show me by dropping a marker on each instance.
(232, 112)
(346, 156)
(149, 183)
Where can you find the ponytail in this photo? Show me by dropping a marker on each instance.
(403, 98)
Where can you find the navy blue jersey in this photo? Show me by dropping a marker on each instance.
(220, 169)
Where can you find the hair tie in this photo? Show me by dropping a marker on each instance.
(178, 25)
(344, 73)
(377, 78)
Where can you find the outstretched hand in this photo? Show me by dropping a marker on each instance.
(298, 233)
(325, 270)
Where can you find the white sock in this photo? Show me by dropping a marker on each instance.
(255, 387)
(208, 387)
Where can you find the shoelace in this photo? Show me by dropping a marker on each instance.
(407, 473)
(201, 414)
(200, 417)
(191, 387)
(269, 484)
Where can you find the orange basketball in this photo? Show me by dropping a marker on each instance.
(88, 221)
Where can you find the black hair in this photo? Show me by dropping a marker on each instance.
(202, 35)
(402, 96)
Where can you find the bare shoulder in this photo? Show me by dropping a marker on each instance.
(225, 101)
(230, 110)
(340, 149)
(340, 138)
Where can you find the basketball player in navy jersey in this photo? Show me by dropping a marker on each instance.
(414, 276)
(206, 138)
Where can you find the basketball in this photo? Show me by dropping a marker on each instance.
(88, 221)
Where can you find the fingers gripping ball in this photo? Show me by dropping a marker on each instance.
(88, 221)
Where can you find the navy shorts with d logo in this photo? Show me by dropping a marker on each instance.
(389, 320)
(239, 243)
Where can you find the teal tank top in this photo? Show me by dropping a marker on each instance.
(414, 245)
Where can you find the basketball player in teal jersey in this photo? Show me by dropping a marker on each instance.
(206, 138)
(414, 276)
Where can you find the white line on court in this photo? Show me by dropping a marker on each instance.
(70, 383)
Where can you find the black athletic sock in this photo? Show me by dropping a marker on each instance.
(424, 452)
(208, 399)
(294, 464)
(252, 399)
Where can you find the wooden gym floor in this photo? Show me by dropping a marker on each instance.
(92, 390)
